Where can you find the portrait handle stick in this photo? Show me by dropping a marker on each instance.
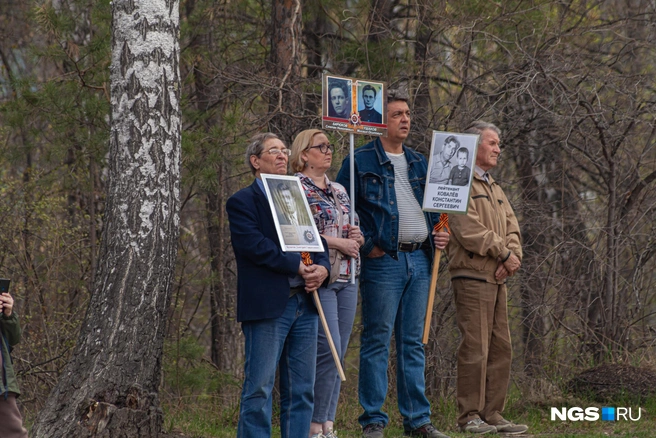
(322, 316)
(442, 225)
(352, 189)
(324, 323)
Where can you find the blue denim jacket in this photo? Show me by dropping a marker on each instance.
(375, 197)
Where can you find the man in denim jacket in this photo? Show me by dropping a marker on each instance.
(394, 282)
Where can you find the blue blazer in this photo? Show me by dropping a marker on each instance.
(263, 269)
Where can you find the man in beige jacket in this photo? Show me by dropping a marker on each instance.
(485, 249)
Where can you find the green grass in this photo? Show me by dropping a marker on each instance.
(205, 405)
(207, 419)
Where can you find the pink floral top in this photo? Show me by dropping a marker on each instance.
(324, 211)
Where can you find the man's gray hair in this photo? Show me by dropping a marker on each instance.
(397, 95)
(478, 126)
(256, 147)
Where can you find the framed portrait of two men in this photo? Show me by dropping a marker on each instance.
(354, 105)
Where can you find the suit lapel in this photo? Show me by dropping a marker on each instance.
(261, 201)
(259, 195)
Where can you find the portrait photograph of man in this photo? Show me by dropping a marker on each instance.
(339, 98)
(287, 206)
(369, 102)
(442, 161)
(296, 228)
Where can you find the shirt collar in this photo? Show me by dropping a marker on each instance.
(483, 174)
(260, 184)
(308, 180)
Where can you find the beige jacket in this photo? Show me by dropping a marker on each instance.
(485, 235)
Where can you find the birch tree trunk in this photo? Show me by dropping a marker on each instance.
(110, 386)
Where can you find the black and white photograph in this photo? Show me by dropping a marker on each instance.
(450, 169)
(339, 98)
(291, 213)
(354, 105)
(370, 102)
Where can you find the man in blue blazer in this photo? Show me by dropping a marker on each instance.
(278, 317)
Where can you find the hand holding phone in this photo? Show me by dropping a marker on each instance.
(4, 296)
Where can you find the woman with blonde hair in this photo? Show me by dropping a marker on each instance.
(330, 205)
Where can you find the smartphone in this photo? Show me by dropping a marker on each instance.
(4, 287)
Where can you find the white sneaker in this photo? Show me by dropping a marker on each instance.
(477, 426)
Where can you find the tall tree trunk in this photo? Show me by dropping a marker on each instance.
(533, 285)
(609, 329)
(284, 66)
(382, 12)
(110, 386)
(382, 37)
(422, 119)
(93, 237)
(227, 343)
(313, 35)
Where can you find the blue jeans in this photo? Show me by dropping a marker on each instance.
(288, 342)
(394, 297)
(339, 301)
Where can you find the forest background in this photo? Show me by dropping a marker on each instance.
(571, 84)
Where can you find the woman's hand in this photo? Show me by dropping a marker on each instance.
(349, 247)
(354, 233)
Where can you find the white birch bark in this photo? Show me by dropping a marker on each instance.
(109, 388)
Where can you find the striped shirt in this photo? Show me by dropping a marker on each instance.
(412, 223)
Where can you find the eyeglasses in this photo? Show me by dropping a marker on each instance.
(324, 147)
(275, 151)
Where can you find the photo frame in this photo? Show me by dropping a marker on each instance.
(291, 213)
(354, 105)
(450, 172)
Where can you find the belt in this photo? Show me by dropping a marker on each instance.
(409, 246)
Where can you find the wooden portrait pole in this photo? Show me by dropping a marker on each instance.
(442, 225)
(307, 261)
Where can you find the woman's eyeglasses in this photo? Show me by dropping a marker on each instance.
(324, 147)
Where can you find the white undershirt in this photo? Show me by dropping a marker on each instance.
(412, 223)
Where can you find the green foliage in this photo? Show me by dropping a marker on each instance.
(54, 113)
(570, 84)
(185, 371)
(198, 398)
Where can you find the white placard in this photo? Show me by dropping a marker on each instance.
(450, 172)
(291, 213)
